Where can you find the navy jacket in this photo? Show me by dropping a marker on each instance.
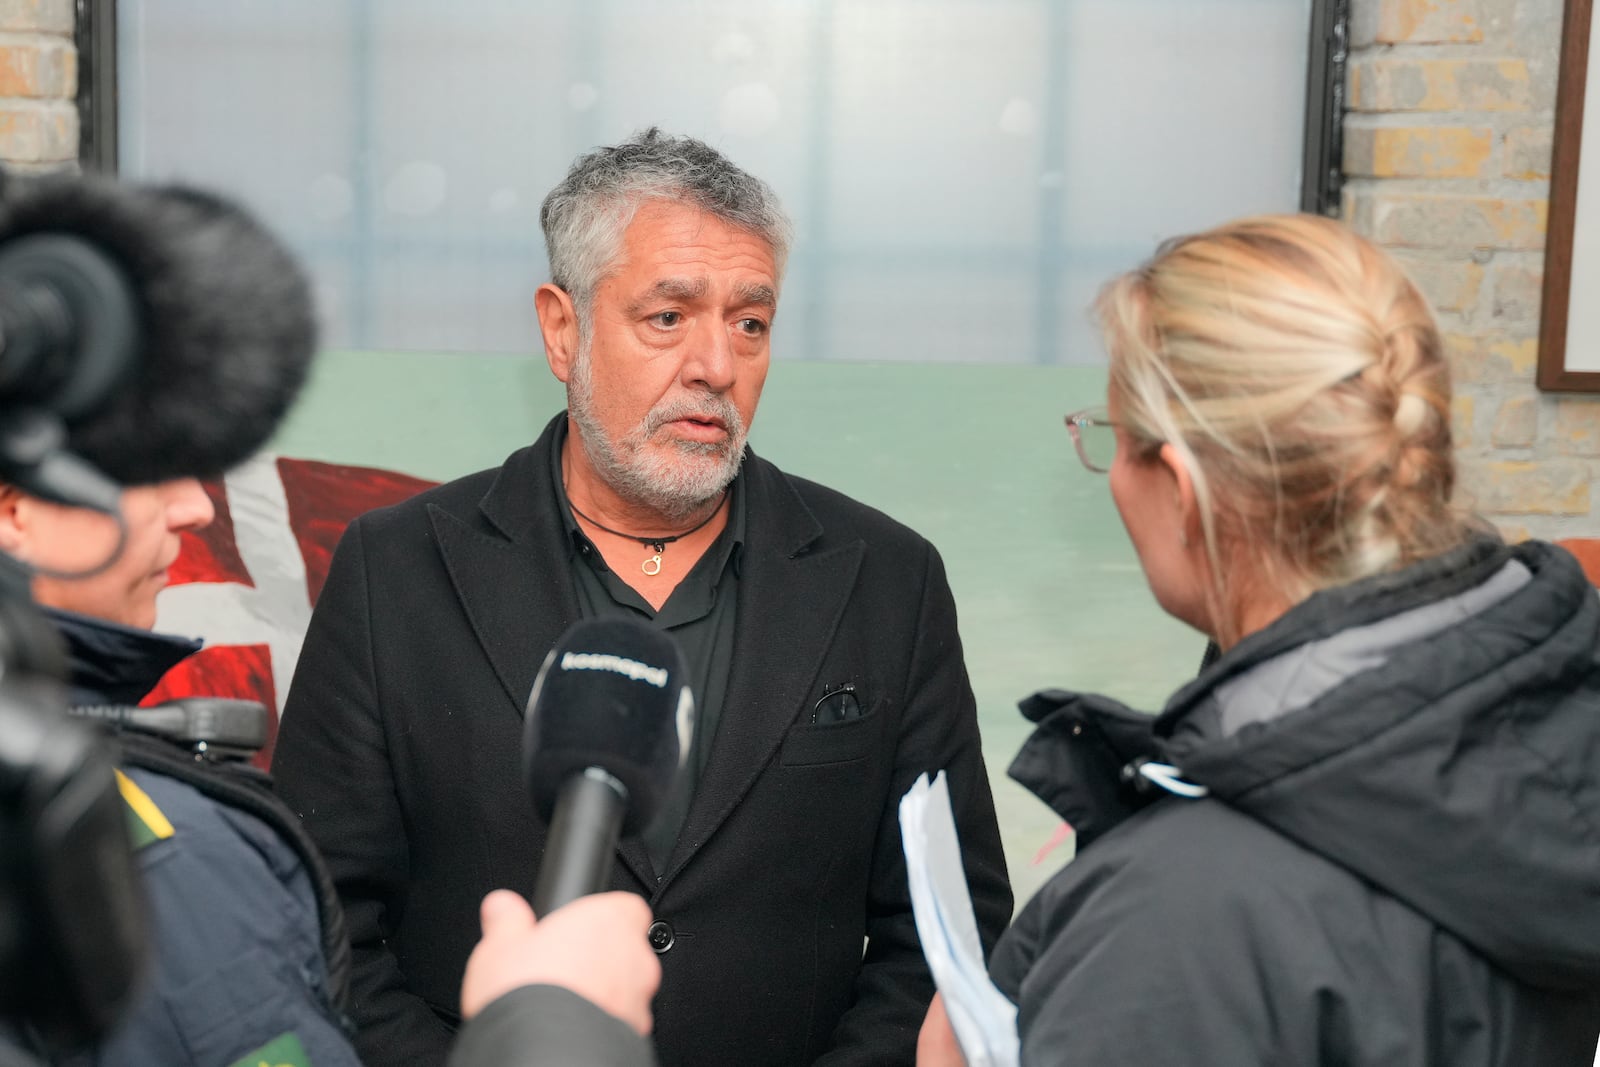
(238, 964)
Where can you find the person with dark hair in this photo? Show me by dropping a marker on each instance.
(249, 958)
(821, 638)
(168, 333)
(1366, 834)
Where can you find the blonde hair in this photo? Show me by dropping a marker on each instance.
(1301, 378)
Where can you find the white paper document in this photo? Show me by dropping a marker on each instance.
(984, 1021)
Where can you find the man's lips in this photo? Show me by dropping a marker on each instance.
(700, 427)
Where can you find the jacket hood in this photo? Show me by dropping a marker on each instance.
(1436, 732)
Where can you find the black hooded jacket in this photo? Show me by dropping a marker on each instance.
(1398, 859)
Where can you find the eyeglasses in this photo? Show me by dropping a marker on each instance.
(1095, 437)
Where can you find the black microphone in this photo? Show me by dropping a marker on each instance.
(162, 329)
(607, 730)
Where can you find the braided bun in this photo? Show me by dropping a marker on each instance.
(1301, 376)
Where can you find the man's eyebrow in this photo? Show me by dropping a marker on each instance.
(670, 289)
(761, 295)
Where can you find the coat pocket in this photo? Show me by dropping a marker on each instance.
(814, 744)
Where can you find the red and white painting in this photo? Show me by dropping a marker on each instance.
(247, 582)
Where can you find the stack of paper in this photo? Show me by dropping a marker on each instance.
(984, 1021)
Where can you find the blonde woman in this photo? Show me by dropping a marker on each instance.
(1370, 832)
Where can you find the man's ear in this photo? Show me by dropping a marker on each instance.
(558, 325)
(15, 520)
(1191, 529)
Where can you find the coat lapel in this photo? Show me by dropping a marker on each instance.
(517, 603)
(508, 567)
(791, 598)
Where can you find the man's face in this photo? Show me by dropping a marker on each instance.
(73, 540)
(663, 393)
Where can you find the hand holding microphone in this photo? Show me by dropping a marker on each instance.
(607, 730)
(595, 947)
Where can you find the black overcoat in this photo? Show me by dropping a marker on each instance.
(401, 748)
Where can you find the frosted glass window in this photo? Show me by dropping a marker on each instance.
(962, 175)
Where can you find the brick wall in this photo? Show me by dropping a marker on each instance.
(38, 85)
(1447, 155)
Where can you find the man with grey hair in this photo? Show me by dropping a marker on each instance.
(820, 637)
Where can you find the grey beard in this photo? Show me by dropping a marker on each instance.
(675, 486)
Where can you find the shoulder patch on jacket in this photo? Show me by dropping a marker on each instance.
(284, 1050)
(146, 824)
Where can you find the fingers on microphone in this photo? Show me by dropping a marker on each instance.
(504, 910)
(624, 908)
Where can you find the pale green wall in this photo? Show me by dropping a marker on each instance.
(974, 457)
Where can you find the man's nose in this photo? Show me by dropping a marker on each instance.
(710, 364)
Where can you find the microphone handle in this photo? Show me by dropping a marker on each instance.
(582, 841)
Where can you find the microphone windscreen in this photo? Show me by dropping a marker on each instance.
(613, 694)
(226, 323)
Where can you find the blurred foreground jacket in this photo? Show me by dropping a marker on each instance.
(248, 965)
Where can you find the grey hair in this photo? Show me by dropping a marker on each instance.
(585, 216)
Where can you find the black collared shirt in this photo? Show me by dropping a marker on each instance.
(700, 614)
